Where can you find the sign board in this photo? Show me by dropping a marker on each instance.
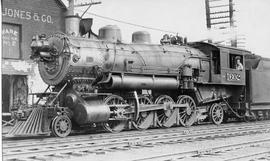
(27, 15)
(11, 41)
(233, 77)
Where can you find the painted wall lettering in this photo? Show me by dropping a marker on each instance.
(27, 15)
(10, 41)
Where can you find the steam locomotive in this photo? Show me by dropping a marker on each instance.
(103, 82)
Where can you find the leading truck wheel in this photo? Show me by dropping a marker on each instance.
(115, 126)
(61, 126)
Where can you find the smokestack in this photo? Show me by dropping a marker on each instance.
(72, 21)
(72, 24)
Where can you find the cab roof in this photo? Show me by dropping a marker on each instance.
(202, 44)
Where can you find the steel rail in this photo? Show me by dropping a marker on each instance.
(249, 156)
(192, 153)
(82, 148)
(31, 141)
(44, 142)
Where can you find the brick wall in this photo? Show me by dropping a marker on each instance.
(33, 17)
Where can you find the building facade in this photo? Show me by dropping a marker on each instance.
(21, 20)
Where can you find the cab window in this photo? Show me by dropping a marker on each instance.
(236, 62)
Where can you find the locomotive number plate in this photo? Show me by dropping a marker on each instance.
(233, 77)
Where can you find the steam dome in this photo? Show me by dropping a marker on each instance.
(110, 33)
(141, 37)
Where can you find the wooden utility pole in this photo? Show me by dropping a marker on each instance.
(72, 6)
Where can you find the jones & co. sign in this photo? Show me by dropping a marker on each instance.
(27, 15)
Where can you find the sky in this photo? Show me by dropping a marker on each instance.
(186, 17)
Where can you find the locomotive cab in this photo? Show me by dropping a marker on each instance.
(223, 63)
(227, 80)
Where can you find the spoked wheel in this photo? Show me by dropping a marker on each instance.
(187, 116)
(216, 113)
(61, 126)
(163, 115)
(145, 119)
(115, 126)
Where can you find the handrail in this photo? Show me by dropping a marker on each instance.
(43, 92)
(51, 102)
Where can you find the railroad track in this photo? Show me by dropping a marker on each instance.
(95, 145)
(256, 150)
(85, 137)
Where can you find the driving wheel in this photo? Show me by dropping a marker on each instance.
(187, 116)
(115, 126)
(163, 115)
(145, 119)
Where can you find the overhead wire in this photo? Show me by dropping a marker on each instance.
(128, 23)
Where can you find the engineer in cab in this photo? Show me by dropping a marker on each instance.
(238, 65)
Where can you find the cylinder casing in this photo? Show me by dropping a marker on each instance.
(87, 110)
(91, 112)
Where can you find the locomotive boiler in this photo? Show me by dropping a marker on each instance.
(103, 82)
